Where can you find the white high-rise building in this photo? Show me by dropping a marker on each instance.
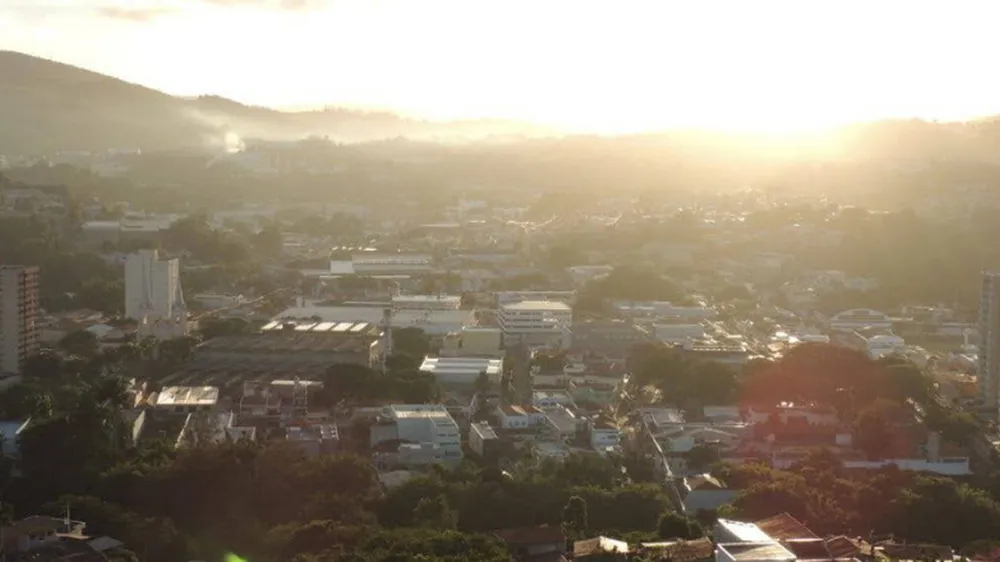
(18, 316)
(989, 345)
(153, 295)
(536, 323)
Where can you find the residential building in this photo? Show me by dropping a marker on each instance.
(768, 551)
(704, 491)
(462, 370)
(19, 327)
(549, 399)
(989, 344)
(543, 323)
(561, 422)
(153, 295)
(604, 433)
(420, 424)
(483, 440)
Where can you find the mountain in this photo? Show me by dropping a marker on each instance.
(48, 106)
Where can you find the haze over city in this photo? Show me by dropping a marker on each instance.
(603, 67)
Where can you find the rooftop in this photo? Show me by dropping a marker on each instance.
(744, 532)
(373, 315)
(459, 365)
(784, 527)
(542, 306)
(188, 396)
(484, 430)
(757, 551)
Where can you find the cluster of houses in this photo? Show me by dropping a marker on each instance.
(780, 538)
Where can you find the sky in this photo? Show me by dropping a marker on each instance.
(608, 66)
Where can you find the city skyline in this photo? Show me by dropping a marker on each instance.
(773, 66)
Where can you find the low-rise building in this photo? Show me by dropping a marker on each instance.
(604, 433)
(420, 424)
(483, 440)
(519, 417)
(315, 439)
(462, 370)
(613, 338)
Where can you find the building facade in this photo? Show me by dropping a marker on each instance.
(19, 328)
(989, 345)
(536, 323)
(153, 295)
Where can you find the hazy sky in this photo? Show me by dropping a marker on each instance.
(604, 66)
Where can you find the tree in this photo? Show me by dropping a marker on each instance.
(434, 513)
(82, 343)
(673, 525)
(874, 431)
(411, 341)
(348, 381)
(269, 241)
(44, 365)
(574, 517)
(702, 457)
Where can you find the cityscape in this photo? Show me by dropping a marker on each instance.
(546, 310)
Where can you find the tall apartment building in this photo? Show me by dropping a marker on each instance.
(536, 323)
(989, 345)
(18, 316)
(153, 295)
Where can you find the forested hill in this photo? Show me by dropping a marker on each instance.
(47, 106)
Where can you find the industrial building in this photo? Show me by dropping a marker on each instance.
(432, 322)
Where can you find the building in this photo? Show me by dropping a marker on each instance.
(483, 440)
(473, 342)
(519, 417)
(19, 328)
(604, 433)
(153, 295)
(185, 399)
(432, 322)
(989, 344)
(426, 425)
(315, 439)
(462, 370)
(512, 297)
(546, 323)
(662, 311)
(426, 302)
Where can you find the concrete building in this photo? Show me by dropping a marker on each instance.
(858, 318)
(483, 440)
(19, 329)
(545, 323)
(473, 341)
(426, 302)
(428, 425)
(512, 297)
(153, 295)
(316, 439)
(989, 344)
(462, 370)
(519, 417)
